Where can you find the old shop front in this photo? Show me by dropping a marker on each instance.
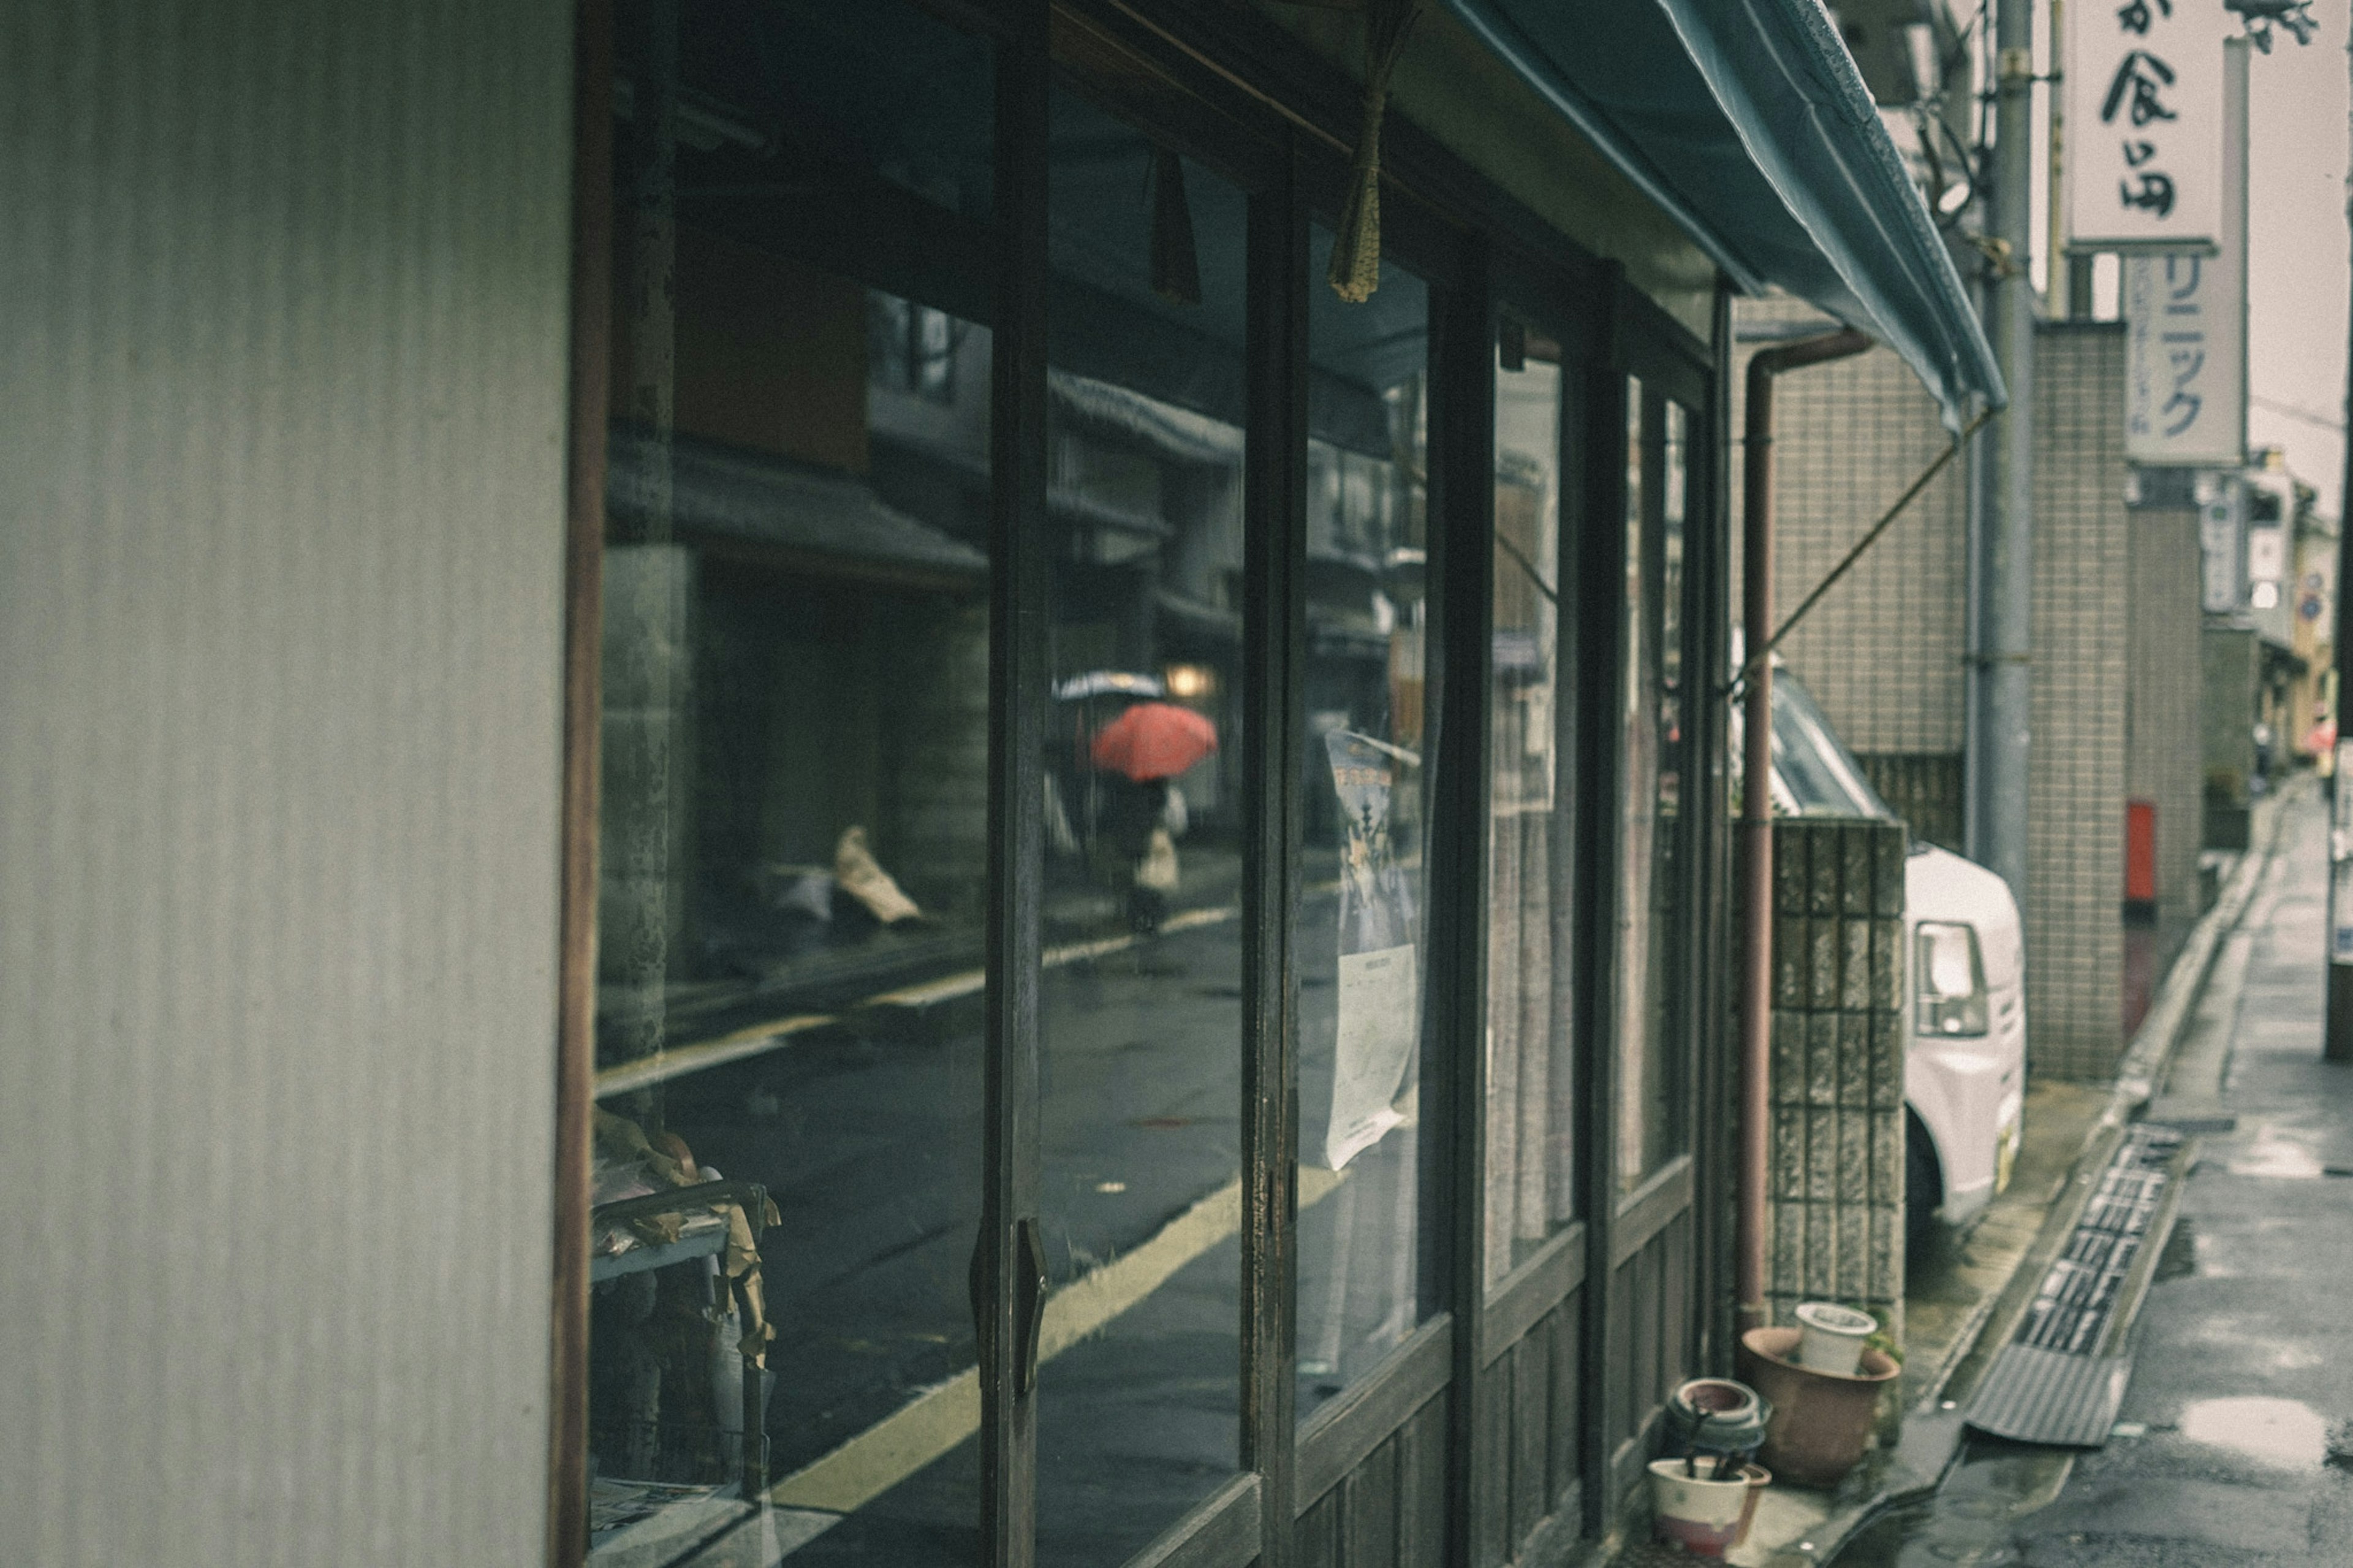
(1164, 802)
(1139, 812)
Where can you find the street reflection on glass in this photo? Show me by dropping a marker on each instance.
(1359, 935)
(1140, 1006)
(1651, 1128)
(794, 825)
(1530, 1091)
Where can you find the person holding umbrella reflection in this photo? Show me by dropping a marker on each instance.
(1135, 755)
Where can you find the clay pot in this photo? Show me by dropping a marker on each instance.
(1821, 1421)
(1702, 1516)
(1759, 1477)
(1714, 1414)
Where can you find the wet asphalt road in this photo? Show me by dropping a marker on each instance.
(2235, 1441)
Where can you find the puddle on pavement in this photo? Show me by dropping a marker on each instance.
(1969, 1518)
(2276, 1431)
(2275, 1151)
(2180, 1259)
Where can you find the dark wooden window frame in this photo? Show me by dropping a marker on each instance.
(1230, 88)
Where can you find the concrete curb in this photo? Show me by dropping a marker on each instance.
(1932, 1435)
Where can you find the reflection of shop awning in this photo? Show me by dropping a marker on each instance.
(1175, 432)
(1747, 121)
(800, 515)
(1211, 623)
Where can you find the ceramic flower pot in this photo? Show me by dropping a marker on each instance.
(1831, 1337)
(1821, 1421)
(1759, 1478)
(1703, 1516)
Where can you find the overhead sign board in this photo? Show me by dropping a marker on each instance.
(2186, 321)
(2145, 124)
(2185, 359)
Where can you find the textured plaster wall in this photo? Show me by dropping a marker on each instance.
(279, 602)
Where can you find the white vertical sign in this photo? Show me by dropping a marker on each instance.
(2145, 123)
(2223, 560)
(2185, 360)
(2186, 322)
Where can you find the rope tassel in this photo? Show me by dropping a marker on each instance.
(1355, 270)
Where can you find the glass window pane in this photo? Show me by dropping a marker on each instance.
(1140, 1003)
(793, 822)
(1651, 1020)
(1360, 933)
(1530, 917)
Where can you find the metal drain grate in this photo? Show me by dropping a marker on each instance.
(2059, 1381)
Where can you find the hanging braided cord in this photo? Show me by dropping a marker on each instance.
(1355, 268)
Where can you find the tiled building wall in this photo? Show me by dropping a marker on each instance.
(2115, 635)
(1835, 1228)
(2081, 661)
(1883, 652)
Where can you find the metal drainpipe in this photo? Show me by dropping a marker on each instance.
(1756, 804)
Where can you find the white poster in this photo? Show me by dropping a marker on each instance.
(1380, 1018)
(2145, 123)
(1380, 1005)
(2186, 359)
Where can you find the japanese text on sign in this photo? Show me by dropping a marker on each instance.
(2184, 374)
(2144, 119)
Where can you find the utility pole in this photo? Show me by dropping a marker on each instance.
(2337, 1040)
(2002, 576)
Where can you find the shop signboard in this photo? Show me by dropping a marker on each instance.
(2185, 359)
(2222, 586)
(2145, 124)
(2186, 321)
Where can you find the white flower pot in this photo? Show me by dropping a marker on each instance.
(1831, 1337)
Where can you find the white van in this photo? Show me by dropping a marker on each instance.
(1965, 1062)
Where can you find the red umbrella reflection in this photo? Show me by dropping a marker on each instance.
(1153, 740)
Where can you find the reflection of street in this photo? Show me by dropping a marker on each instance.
(866, 1127)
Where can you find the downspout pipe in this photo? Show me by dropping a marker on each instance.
(1756, 805)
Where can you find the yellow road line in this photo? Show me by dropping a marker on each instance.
(742, 1043)
(936, 1420)
(758, 1038)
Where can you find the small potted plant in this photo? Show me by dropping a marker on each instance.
(1703, 1492)
(1823, 1417)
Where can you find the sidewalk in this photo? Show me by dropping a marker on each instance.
(2231, 1444)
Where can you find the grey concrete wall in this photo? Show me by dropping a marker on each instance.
(280, 572)
(2162, 709)
(1835, 1225)
(2232, 661)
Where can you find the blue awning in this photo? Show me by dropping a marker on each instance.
(1747, 121)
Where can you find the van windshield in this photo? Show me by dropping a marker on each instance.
(1818, 774)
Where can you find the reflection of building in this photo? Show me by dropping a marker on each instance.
(759, 441)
